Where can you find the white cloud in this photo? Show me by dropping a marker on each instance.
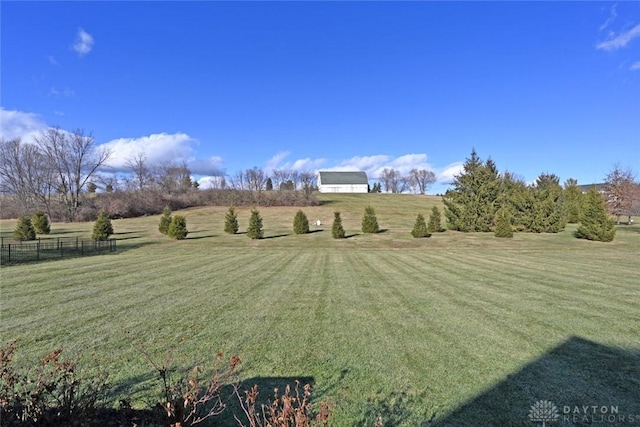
(448, 173)
(613, 14)
(274, 162)
(277, 162)
(84, 42)
(18, 124)
(53, 61)
(635, 66)
(162, 148)
(620, 40)
(158, 148)
(66, 92)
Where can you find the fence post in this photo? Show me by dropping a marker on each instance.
(38, 250)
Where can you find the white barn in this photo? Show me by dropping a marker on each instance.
(342, 182)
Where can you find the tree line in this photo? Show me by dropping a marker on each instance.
(480, 196)
(59, 173)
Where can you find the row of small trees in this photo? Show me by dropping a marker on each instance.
(29, 226)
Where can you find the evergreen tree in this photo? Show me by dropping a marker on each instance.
(255, 230)
(92, 187)
(231, 221)
(473, 201)
(595, 222)
(300, 223)
(178, 228)
(337, 231)
(102, 228)
(503, 223)
(24, 229)
(435, 221)
(420, 228)
(548, 214)
(573, 200)
(165, 220)
(269, 185)
(40, 223)
(370, 221)
(517, 198)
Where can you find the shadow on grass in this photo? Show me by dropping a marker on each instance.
(575, 374)
(276, 236)
(200, 237)
(348, 236)
(315, 231)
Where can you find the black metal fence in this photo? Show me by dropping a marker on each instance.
(52, 248)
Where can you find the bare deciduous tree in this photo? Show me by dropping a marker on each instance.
(142, 175)
(173, 178)
(256, 179)
(308, 181)
(74, 158)
(620, 191)
(25, 174)
(422, 179)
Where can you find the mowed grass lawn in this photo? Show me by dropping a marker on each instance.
(457, 329)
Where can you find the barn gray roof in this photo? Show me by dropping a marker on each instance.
(342, 178)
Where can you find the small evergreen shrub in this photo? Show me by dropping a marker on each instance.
(40, 223)
(370, 221)
(337, 231)
(24, 229)
(503, 224)
(255, 230)
(102, 228)
(595, 222)
(435, 221)
(165, 220)
(420, 228)
(231, 221)
(178, 228)
(300, 223)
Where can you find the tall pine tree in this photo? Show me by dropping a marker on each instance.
(472, 203)
(595, 222)
(573, 198)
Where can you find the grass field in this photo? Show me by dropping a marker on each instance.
(458, 329)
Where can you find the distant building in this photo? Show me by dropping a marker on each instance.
(600, 188)
(342, 182)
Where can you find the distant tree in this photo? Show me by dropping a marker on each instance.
(287, 186)
(422, 179)
(337, 231)
(435, 221)
(255, 179)
(620, 191)
(420, 228)
(370, 221)
(231, 221)
(196, 185)
(255, 230)
(102, 228)
(595, 223)
(91, 187)
(165, 220)
(503, 223)
(269, 185)
(41, 223)
(178, 228)
(24, 229)
(472, 202)
(109, 188)
(308, 182)
(573, 200)
(300, 223)
(142, 174)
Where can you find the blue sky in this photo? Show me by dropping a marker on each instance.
(226, 86)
